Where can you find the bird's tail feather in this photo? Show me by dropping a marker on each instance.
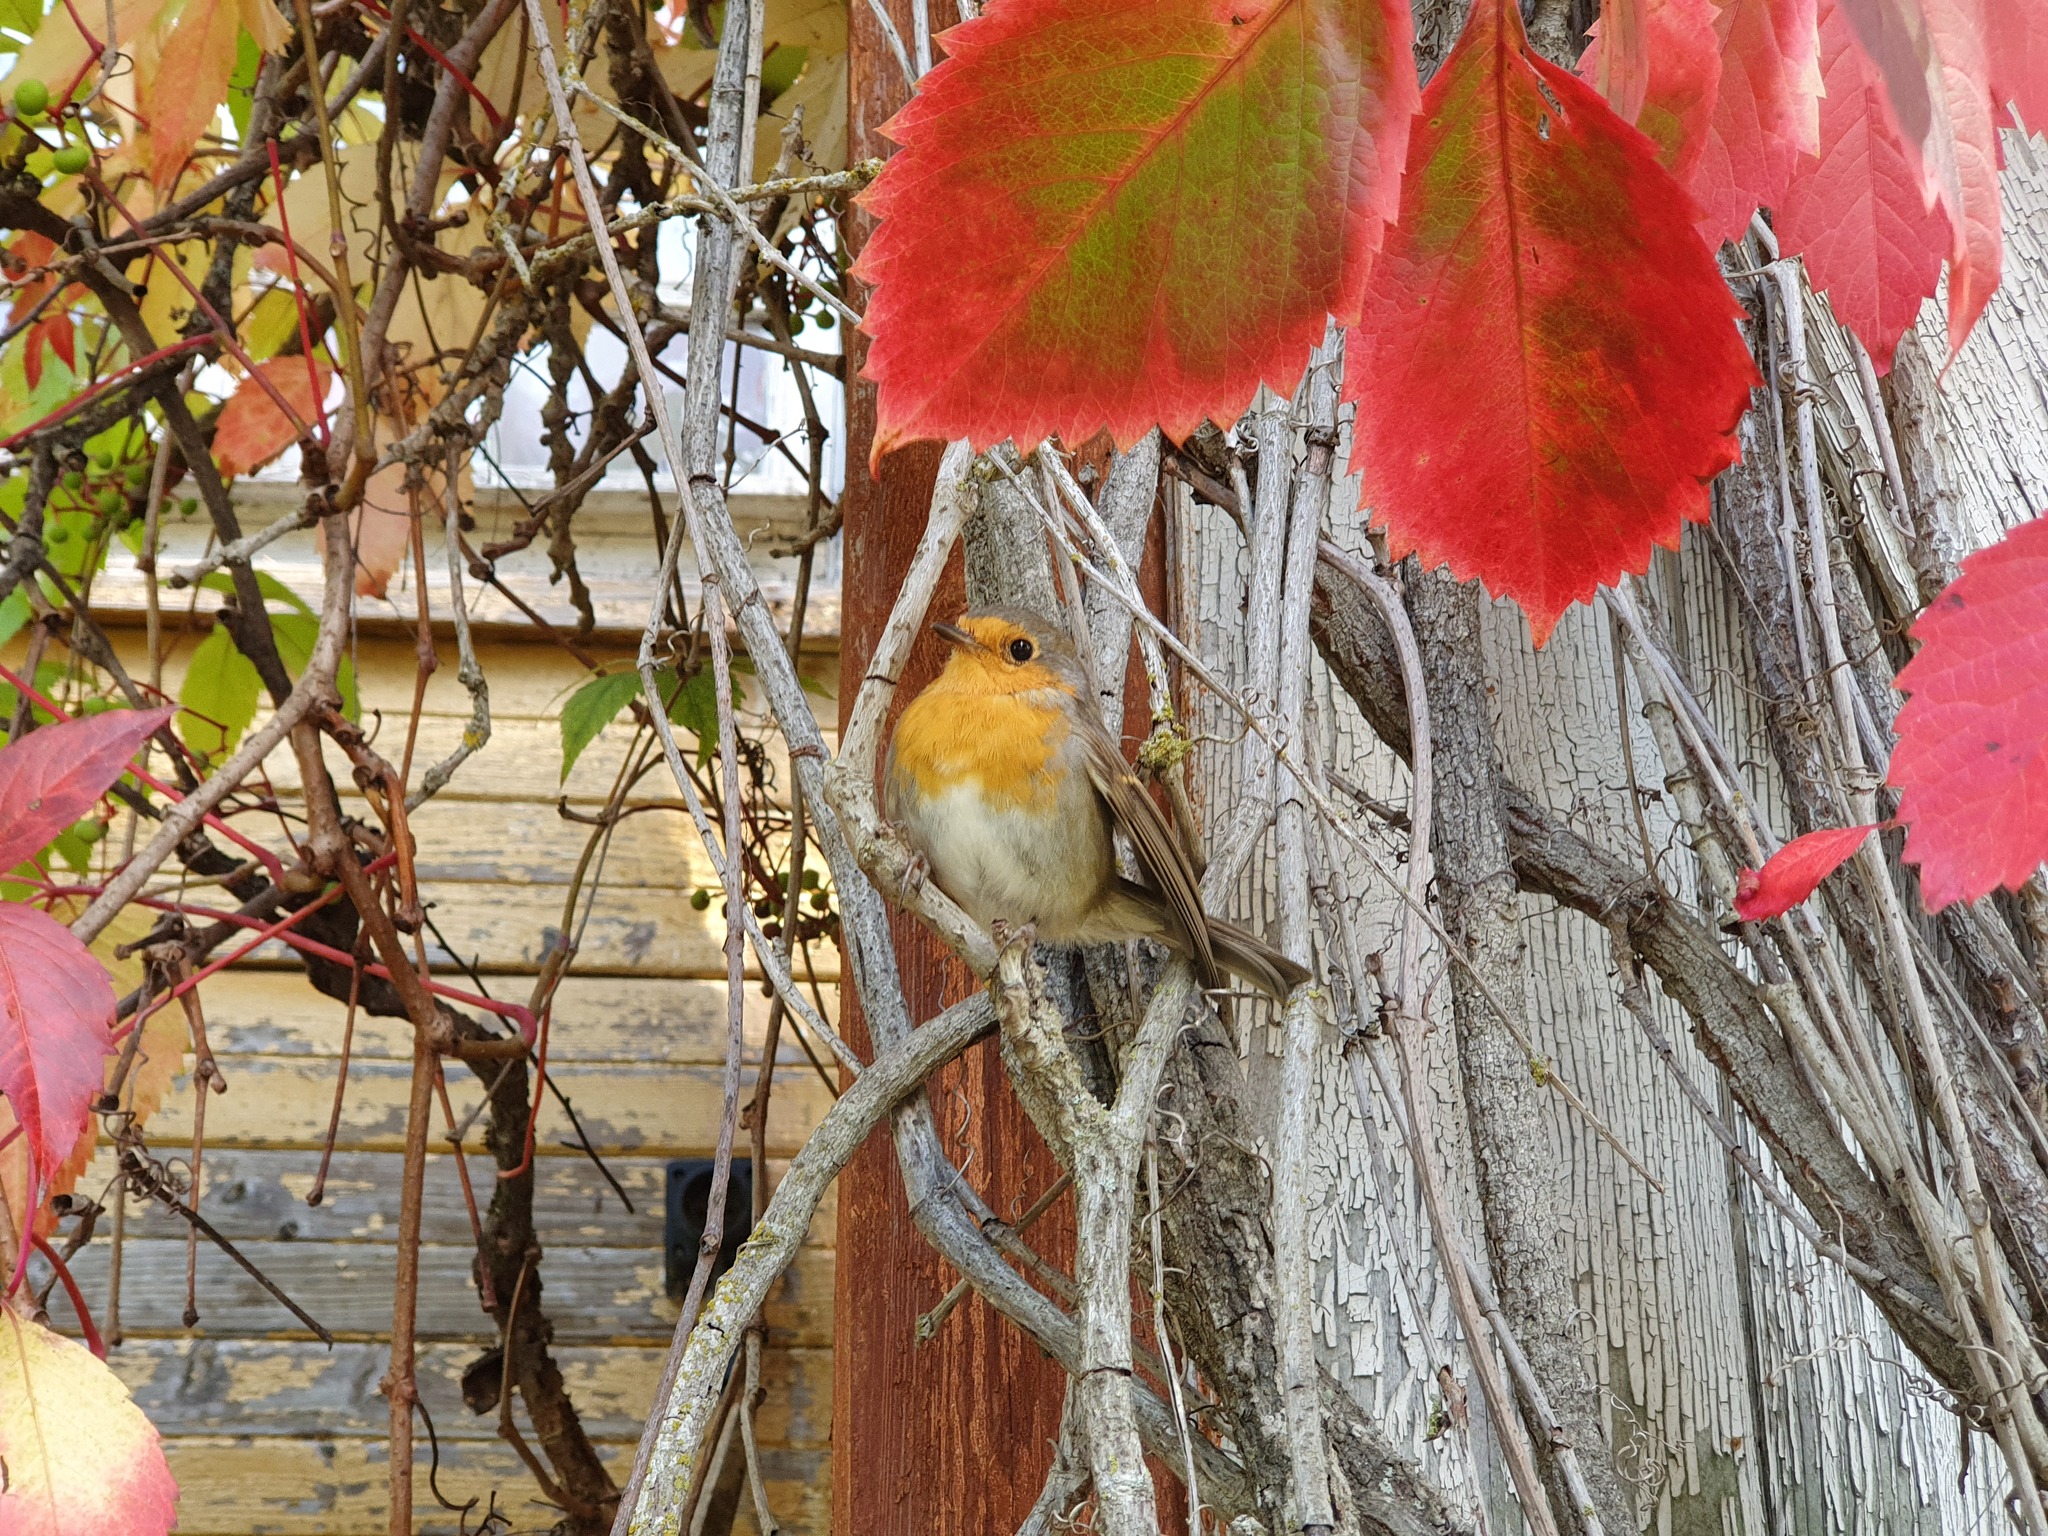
(1247, 956)
(1136, 910)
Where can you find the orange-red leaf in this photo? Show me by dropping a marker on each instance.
(1795, 871)
(1855, 213)
(189, 82)
(252, 430)
(1548, 370)
(1972, 759)
(1129, 215)
(79, 1454)
(1964, 174)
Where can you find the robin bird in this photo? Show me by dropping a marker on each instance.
(1011, 793)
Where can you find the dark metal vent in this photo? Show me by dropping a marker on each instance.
(689, 1198)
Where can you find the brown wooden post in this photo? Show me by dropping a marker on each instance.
(950, 1437)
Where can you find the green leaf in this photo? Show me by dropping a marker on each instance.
(695, 709)
(49, 683)
(74, 848)
(267, 584)
(14, 613)
(273, 320)
(780, 69)
(295, 634)
(241, 83)
(23, 16)
(220, 696)
(593, 707)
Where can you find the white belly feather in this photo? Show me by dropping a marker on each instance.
(1000, 862)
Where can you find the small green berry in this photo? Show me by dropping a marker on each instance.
(138, 474)
(90, 831)
(103, 461)
(188, 505)
(73, 479)
(71, 159)
(31, 98)
(810, 879)
(111, 502)
(59, 535)
(700, 899)
(821, 901)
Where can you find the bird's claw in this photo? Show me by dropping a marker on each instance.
(1006, 934)
(915, 873)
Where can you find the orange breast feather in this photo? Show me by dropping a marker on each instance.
(1005, 742)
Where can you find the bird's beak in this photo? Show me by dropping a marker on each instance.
(953, 634)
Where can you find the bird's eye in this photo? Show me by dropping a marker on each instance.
(1020, 650)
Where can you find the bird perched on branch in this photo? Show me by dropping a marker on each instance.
(1011, 792)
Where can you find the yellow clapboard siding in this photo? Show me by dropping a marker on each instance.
(523, 759)
(260, 1194)
(277, 1434)
(509, 929)
(592, 1295)
(526, 682)
(277, 1387)
(651, 1110)
(640, 1019)
(336, 1487)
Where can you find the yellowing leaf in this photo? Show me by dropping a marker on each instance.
(59, 51)
(266, 26)
(80, 1456)
(272, 321)
(167, 303)
(184, 85)
(306, 210)
(159, 1061)
(381, 528)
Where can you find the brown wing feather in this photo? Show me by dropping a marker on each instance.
(1159, 851)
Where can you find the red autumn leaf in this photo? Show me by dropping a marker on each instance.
(80, 1456)
(51, 777)
(1764, 112)
(54, 331)
(1935, 61)
(1795, 871)
(1972, 759)
(56, 1009)
(1618, 63)
(252, 430)
(1129, 215)
(2016, 37)
(1856, 213)
(1684, 57)
(1548, 370)
(1964, 175)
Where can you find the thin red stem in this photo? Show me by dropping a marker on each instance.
(540, 1083)
(79, 402)
(93, 1341)
(440, 58)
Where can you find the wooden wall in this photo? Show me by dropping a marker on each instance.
(269, 1431)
